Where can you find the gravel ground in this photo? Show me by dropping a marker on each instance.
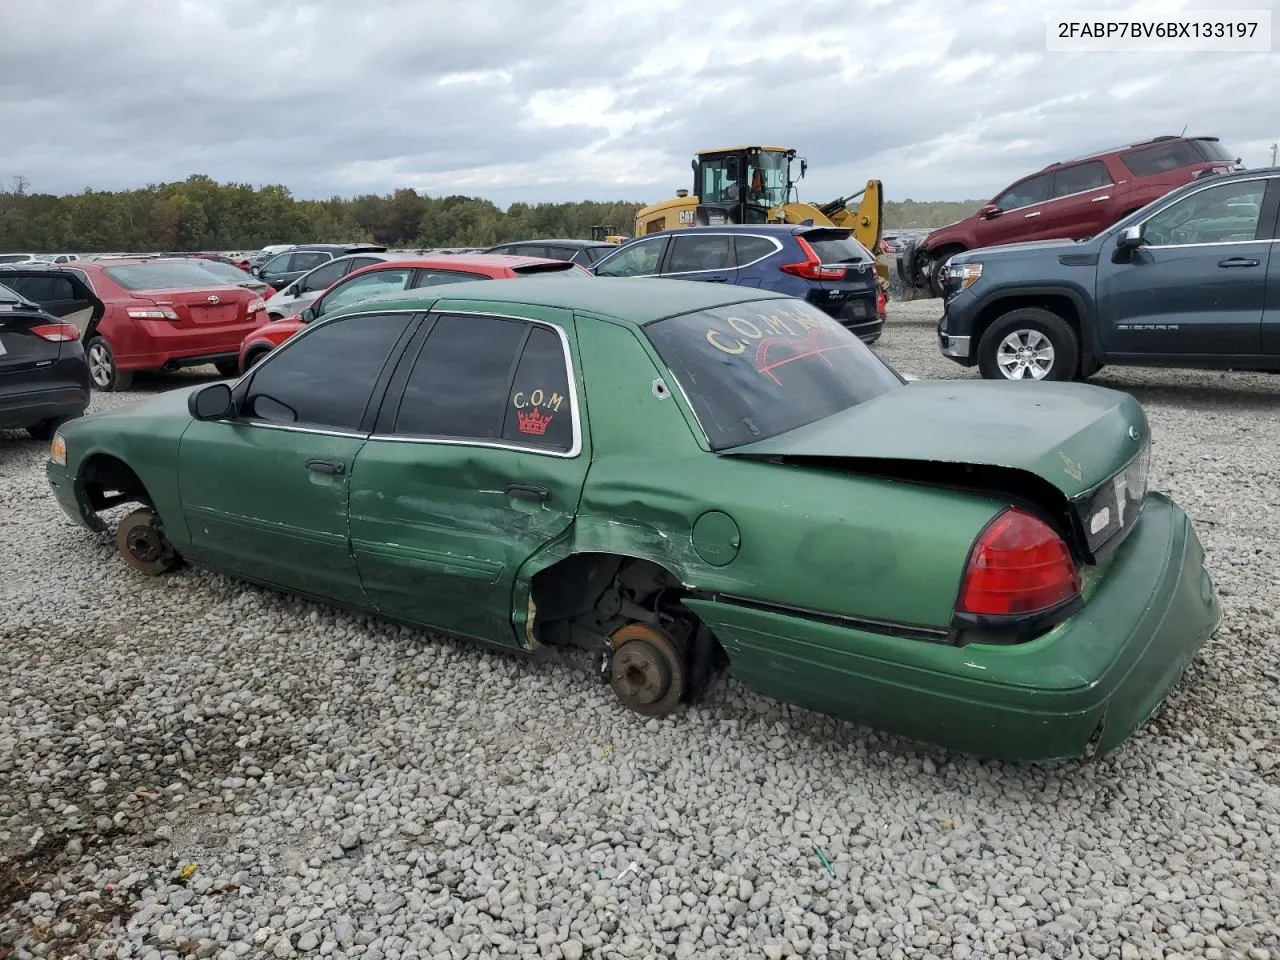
(193, 767)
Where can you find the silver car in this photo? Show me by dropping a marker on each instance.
(304, 291)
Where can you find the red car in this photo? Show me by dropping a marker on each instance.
(162, 315)
(390, 276)
(1074, 199)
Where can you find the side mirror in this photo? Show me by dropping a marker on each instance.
(1130, 238)
(211, 403)
(308, 314)
(990, 211)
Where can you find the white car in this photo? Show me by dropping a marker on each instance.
(306, 290)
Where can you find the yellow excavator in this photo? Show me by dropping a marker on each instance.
(606, 233)
(753, 184)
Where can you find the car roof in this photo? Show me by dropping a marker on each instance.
(635, 300)
(345, 247)
(560, 241)
(768, 229)
(450, 261)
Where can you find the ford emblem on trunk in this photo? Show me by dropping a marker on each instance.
(1133, 431)
(213, 298)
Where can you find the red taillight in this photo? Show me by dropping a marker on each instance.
(57, 332)
(882, 304)
(811, 268)
(1019, 565)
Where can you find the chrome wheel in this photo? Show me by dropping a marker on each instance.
(101, 365)
(1025, 354)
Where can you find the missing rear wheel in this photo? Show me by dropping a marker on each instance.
(647, 669)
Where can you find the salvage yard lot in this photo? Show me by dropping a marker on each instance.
(221, 770)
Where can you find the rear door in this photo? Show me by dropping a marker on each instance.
(58, 292)
(1081, 205)
(477, 461)
(1198, 284)
(707, 257)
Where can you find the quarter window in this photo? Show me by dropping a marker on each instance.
(1226, 213)
(1081, 177)
(695, 252)
(325, 378)
(634, 260)
(1024, 194)
(538, 408)
(751, 249)
(434, 278)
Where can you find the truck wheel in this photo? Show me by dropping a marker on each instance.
(1029, 344)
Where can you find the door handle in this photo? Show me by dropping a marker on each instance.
(1030, 215)
(717, 279)
(335, 467)
(524, 491)
(1105, 196)
(1239, 262)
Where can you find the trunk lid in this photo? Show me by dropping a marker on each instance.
(211, 306)
(1076, 450)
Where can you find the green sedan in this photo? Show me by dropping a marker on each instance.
(681, 476)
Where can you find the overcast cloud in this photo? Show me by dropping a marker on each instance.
(542, 100)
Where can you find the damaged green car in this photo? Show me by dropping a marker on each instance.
(679, 476)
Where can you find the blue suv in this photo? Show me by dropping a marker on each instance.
(823, 265)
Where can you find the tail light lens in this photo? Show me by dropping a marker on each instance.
(153, 313)
(811, 268)
(882, 304)
(1018, 565)
(256, 305)
(57, 332)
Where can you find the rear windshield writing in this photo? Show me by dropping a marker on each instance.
(754, 370)
(164, 276)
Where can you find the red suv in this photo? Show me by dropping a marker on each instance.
(161, 315)
(1074, 199)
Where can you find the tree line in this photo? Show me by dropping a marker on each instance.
(202, 214)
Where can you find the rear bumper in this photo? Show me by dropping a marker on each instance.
(1082, 689)
(164, 347)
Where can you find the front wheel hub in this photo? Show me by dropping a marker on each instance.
(144, 544)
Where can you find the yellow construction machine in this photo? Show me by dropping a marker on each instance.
(606, 233)
(753, 184)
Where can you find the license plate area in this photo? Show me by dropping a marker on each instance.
(223, 313)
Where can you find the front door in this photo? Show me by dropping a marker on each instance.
(1021, 207)
(1197, 286)
(265, 493)
(477, 461)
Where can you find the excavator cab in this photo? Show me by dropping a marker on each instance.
(743, 184)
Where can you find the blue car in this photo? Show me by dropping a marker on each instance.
(824, 265)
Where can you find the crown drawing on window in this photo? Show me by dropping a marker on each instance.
(534, 422)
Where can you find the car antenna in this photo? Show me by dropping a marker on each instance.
(1184, 130)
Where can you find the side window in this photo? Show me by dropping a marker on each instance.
(356, 263)
(538, 408)
(696, 252)
(279, 264)
(458, 385)
(42, 289)
(324, 278)
(752, 249)
(364, 287)
(325, 378)
(1032, 190)
(1226, 213)
(433, 278)
(308, 260)
(636, 260)
(1081, 177)
(560, 253)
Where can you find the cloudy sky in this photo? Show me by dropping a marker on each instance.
(543, 100)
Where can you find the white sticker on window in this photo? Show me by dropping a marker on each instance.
(1100, 520)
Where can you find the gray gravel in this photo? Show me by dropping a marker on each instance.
(193, 767)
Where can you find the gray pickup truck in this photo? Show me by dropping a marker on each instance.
(1190, 280)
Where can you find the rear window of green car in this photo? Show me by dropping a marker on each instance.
(755, 370)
